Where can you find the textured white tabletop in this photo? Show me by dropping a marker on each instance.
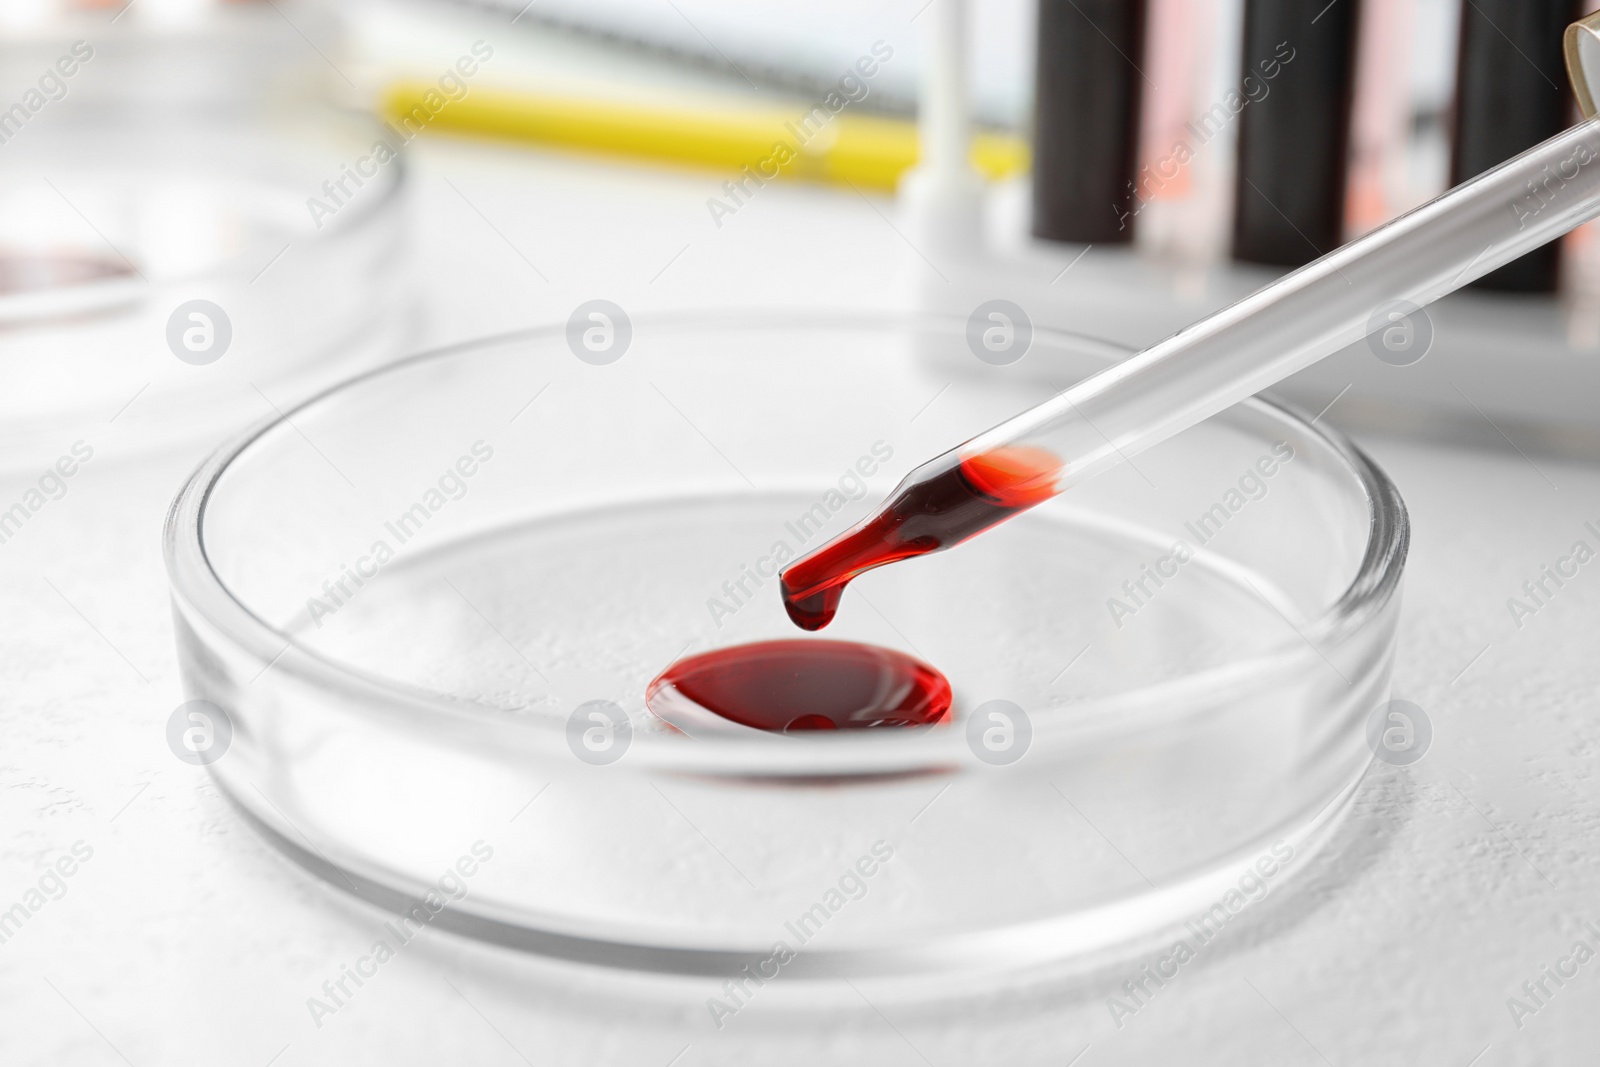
(183, 938)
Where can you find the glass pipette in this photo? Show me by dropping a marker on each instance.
(1359, 289)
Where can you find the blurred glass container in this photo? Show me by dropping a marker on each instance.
(170, 157)
(405, 665)
(178, 53)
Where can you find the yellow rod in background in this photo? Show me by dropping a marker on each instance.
(863, 150)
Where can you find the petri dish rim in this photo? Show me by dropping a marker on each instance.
(193, 580)
(372, 210)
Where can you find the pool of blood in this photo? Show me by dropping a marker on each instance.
(937, 506)
(800, 685)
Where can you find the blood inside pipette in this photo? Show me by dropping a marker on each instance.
(800, 685)
(934, 511)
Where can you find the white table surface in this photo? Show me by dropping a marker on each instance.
(186, 939)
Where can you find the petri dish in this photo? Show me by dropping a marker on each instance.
(118, 223)
(429, 603)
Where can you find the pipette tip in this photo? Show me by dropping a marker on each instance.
(940, 504)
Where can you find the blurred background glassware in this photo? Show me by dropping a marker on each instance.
(162, 153)
(1272, 130)
(402, 663)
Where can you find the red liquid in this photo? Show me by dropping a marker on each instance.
(938, 505)
(789, 686)
(23, 272)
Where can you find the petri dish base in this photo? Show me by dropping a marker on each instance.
(412, 604)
